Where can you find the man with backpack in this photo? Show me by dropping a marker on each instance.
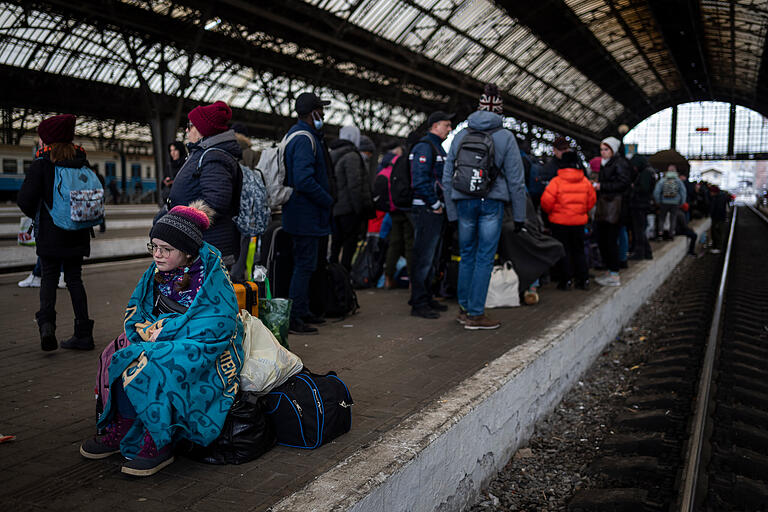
(670, 194)
(307, 213)
(483, 171)
(426, 160)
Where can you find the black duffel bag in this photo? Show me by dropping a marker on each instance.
(309, 410)
(245, 436)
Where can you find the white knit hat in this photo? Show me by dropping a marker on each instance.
(613, 143)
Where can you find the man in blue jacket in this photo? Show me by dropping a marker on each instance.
(480, 218)
(307, 214)
(427, 158)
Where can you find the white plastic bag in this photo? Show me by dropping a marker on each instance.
(503, 288)
(267, 364)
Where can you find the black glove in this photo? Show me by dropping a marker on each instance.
(519, 226)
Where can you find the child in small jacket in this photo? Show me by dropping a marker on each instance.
(567, 199)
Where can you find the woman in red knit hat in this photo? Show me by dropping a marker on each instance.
(57, 247)
(212, 173)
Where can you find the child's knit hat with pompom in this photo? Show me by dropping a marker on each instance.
(183, 227)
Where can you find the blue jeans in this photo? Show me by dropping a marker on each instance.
(479, 231)
(623, 243)
(427, 232)
(304, 263)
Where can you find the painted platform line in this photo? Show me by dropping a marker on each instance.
(442, 456)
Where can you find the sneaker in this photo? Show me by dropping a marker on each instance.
(462, 317)
(583, 285)
(31, 281)
(609, 279)
(425, 312)
(564, 285)
(101, 447)
(62, 283)
(530, 297)
(715, 251)
(150, 460)
(437, 306)
(299, 328)
(475, 323)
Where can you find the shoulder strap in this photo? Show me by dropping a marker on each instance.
(289, 138)
(199, 170)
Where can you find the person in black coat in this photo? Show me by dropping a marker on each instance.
(57, 247)
(614, 180)
(217, 180)
(178, 154)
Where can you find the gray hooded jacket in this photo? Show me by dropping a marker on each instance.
(509, 187)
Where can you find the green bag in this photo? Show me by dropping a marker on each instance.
(275, 314)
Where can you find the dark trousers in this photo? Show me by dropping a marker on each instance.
(608, 241)
(237, 272)
(304, 263)
(427, 231)
(400, 243)
(639, 237)
(574, 263)
(717, 230)
(49, 283)
(346, 233)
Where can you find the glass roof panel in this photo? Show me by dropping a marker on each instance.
(470, 43)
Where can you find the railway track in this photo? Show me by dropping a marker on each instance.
(693, 435)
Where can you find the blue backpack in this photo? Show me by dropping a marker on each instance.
(78, 199)
(254, 214)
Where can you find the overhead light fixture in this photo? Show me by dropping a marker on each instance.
(212, 23)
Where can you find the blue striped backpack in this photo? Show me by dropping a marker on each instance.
(78, 199)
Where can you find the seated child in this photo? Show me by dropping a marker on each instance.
(178, 376)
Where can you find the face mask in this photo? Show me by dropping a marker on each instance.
(318, 121)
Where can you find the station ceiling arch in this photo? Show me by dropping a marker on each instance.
(578, 67)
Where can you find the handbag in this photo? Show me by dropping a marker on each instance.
(164, 306)
(503, 289)
(608, 209)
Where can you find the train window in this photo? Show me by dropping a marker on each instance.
(110, 168)
(10, 165)
(136, 170)
(26, 165)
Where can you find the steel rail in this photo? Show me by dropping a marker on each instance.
(758, 213)
(696, 441)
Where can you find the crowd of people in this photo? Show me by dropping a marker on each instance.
(445, 216)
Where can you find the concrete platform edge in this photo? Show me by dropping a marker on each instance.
(442, 456)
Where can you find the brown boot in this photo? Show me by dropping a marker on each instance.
(478, 322)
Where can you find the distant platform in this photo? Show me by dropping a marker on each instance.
(126, 236)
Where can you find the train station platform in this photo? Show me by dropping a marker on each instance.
(438, 410)
(126, 234)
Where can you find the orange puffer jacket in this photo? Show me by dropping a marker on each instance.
(568, 198)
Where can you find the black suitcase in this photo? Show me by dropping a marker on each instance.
(309, 410)
(277, 257)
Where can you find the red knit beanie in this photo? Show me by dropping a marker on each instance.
(57, 129)
(211, 119)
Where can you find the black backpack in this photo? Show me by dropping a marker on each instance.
(331, 293)
(474, 168)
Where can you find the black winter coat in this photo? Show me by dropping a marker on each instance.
(616, 178)
(351, 176)
(218, 182)
(642, 190)
(51, 241)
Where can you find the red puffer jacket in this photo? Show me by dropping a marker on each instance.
(568, 198)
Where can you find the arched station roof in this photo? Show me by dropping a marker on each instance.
(577, 67)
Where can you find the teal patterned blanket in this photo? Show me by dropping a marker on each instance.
(183, 384)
